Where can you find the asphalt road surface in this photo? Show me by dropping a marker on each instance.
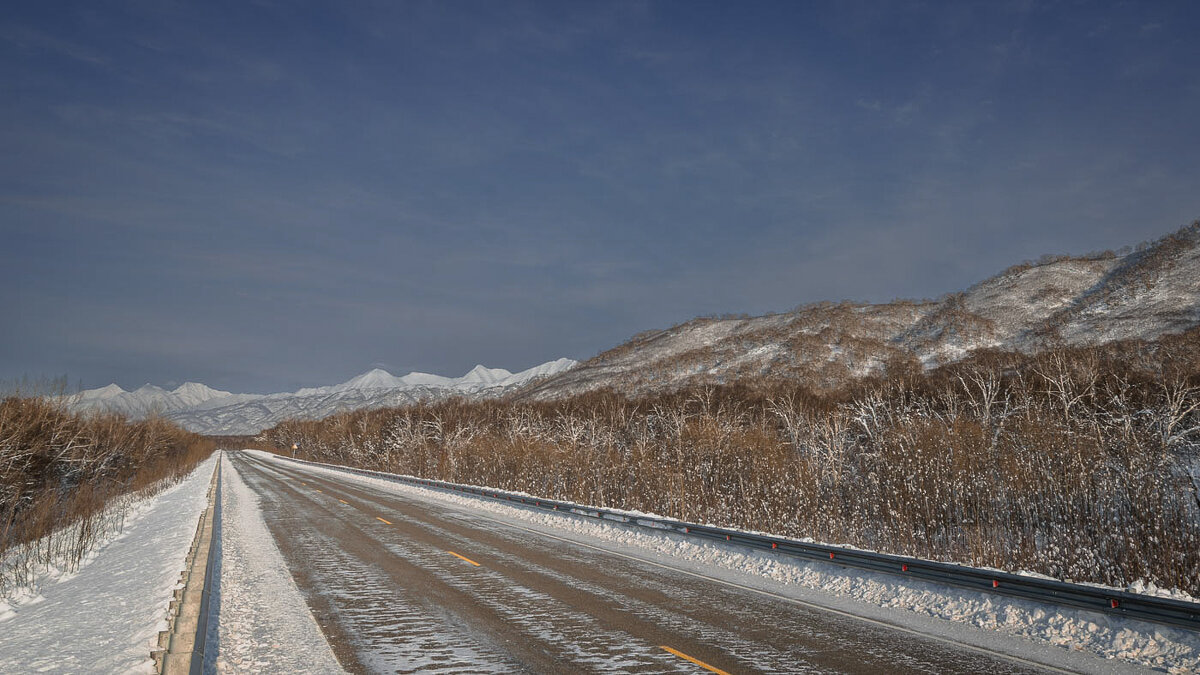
(402, 585)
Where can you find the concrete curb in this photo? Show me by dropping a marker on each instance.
(181, 648)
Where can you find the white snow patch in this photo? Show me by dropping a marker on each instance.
(264, 625)
(105, 616)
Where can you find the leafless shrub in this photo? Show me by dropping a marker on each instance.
(66, 481)
(1073, 463)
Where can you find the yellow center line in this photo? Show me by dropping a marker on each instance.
(382, 520)
(698, 662)
(320, 491)
(463, 558)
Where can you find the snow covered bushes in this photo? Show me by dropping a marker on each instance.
(62, 476)
(1081, 464)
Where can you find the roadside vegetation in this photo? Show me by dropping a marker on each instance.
(1079, 463)
(67, 481)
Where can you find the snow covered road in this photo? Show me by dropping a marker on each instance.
(401, 584)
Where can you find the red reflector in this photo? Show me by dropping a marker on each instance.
(831, 556)
(904, 567)
(995, 584)
(1113, 603)
(774, 545)
(686, 529)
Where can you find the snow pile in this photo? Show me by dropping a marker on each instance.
(264, 624)
(105, 616)
(1163, 647)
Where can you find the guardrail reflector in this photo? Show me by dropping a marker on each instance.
(1113, 603)
(904, 567)
(774, 545)
(831, 555)
(995, 584)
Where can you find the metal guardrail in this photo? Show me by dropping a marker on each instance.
(1151, 608)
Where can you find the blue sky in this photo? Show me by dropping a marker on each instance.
(263, 196)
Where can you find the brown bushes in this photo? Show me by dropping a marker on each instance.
(65, 479)
(1073, 463)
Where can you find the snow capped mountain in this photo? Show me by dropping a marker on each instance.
(103, 392)
(548, 368)
(415, 379)
(372, 379)
(484, 376)
(205, 410)
(147, 399)
(194, 393)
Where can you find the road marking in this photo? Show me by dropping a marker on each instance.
(463, 558)
(698, 662)
(343, 501)
(382, 520)
(320, 491)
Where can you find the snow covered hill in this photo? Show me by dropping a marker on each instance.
(209, 411)
(149, 399)
(1143, 293)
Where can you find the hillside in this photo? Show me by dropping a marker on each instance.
(1144, 293)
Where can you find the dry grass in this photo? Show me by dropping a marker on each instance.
(66, 480)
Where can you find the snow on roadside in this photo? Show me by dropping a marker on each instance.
(105, 617)
(264, 624)
(1161, 647)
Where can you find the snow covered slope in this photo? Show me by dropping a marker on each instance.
(1145, 293)
(149, 399)
(209, 411)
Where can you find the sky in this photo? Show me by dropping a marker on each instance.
(266, 195)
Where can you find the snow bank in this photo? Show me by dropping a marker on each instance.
(105, 616)
(1109, 637)
(264, 624)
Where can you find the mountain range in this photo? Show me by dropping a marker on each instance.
(203, 409)
(1142, 292)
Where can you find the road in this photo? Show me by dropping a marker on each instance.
(402, 585)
